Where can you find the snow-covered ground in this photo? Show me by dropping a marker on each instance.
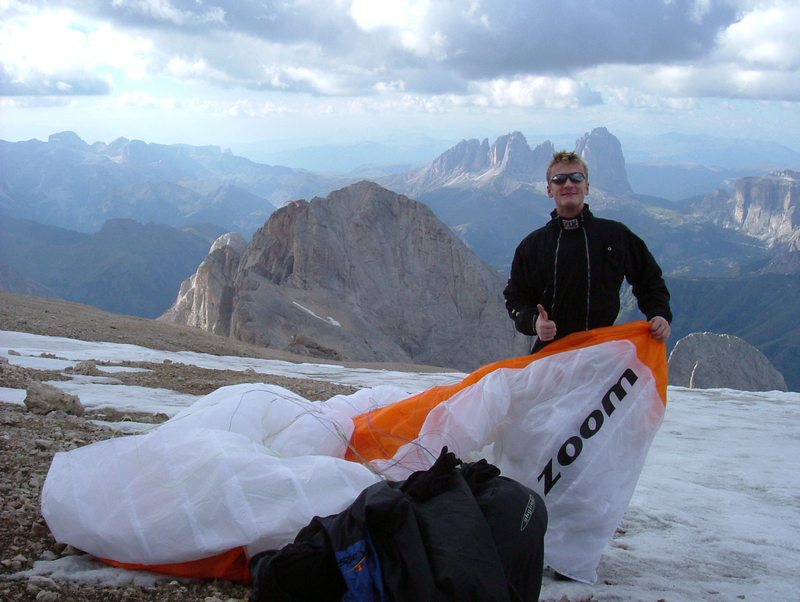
(715, 516)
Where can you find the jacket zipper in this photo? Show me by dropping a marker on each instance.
(588, 276)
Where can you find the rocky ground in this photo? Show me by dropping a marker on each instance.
(28, 441)
(27, 444)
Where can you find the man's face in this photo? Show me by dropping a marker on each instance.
(569, 195)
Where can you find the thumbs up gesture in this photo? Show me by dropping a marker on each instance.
(545, 327)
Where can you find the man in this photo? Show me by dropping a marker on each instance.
(566, 276)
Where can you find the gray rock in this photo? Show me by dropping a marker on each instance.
(766, 208)
(13, 376)
(602, 152)
(43, 582)
(503, 166)
(87, 368)
(47, 596)
(364, 274)
(42, 399)
(704, 360)
(205, 299)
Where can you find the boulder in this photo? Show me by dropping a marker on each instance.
(705, 360)
(12, 376)
(86, 368)
(42, 399)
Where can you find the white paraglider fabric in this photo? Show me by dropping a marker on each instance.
(245, 464)
(250, 465)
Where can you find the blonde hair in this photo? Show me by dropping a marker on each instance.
(567, 157)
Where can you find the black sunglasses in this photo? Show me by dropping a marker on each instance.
(574, 177)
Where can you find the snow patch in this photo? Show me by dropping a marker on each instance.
(329, 320)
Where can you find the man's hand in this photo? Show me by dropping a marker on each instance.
(659, 328)
(546, 328)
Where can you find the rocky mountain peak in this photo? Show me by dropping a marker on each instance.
(232, 241)
(510, 163)
(205, 299)
(466, 156)
(542, 155)
(510, 149)
(512, 158)
(504, 166)
(766, 208)
(363, 274)
(67, 140)
(602, 152)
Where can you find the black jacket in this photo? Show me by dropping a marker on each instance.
(574, 269)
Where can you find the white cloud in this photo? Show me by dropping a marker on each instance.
(196, 69)
(633, 98)
(75, 53)
(396, 14)
(159, 9)
(767, 37)
(141, 100)
(504, 48)
(201, 106)
(535, 92)
(425, 45)
(111, 48)
(392, 87)
(319, 81)
(410, 22)
(163, 10)
(671, 83)
(754, 84)
(180, 67)
(700, 8)
(383, 58)
(254, 109)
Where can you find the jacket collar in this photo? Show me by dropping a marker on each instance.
(573, 223)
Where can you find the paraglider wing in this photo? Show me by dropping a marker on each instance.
(573, 422)
(246, 467)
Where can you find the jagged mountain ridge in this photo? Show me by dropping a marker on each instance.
(494, 195)
(363, 274)
(510, 163)
(506, 165)
(68, 183)
(766, 208)
(205, 299)
(71, 184)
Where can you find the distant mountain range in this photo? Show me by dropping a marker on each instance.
(733, 246)
(691, 151)
(493, 195)
(710, 151)
(126, 267)
(68, 183)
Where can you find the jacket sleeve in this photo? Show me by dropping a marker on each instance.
(644, 275)
(521, 299)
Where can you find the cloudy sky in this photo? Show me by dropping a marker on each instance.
(320, 71)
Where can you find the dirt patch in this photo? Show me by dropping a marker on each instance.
(201, 381)
(58, 318)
